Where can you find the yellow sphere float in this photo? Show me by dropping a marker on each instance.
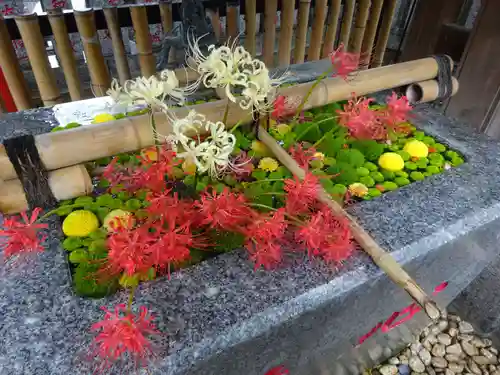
(416, 149)
(118, 218)
(80, 223)
(391, 161)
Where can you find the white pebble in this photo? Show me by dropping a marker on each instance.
(439, 362)
(416, 364)
(388, 370)
(457, 368)
(454, 349)
(444, 338)
(453, 332)
(438, 350)
(425, 356)
(465, 327)
(469, 349)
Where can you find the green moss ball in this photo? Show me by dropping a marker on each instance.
(428, 140)
(406, 156)
(432, 169)
(419, 135)
(343, 173)
(411, 166)
(367, 181)
(389, 185)
(401, 174)
(373, 192)
(351, 156)
(401, 181)
(78, 256)
(394, 147)
(388, 175)
(451, 154)
(436, 156)
(377, 176)
(370, 166)
(417, 176)
(339, 188)
(329, 161)
(457, 161)
(439, 147)
(362, 171)
(437, 162)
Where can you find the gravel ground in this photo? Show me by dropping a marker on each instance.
(448, 347)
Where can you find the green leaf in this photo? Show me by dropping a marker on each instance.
(307, 131)
(84, 200)
(63, 211)
(330, 145)
(133, 204)
(259, 174)
(72, 243)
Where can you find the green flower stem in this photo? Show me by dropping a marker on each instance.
(267, 180)
(318, 142)
(309, 93)
(315, 124)
(238, 124)
(297, 220)
(155, 138)
(52, 212)
(271, 193)
(130, 299)
(226, 112)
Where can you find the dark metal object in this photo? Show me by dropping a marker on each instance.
(195, 25)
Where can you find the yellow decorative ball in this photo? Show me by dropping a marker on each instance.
(268, 164)
(260, 149)
(391, 161)
(151, 153)
(118, 217)
(103, 117)
(80, 223)
(358, 189)
(416, 149)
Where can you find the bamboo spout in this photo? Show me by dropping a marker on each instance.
(380, 257)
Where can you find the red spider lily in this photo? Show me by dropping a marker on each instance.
(22, 236)
(301, 194)
(284, 106)
(279, 370)
(397, 110)
(171, 209)
(122, 332)
(172, 247)
(326, 235)
(343, 62)
(129, 251)
(264, 239)
(301, 156)
(227, 211)
(362, 122)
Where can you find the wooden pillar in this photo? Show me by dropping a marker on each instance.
(425, 27)
(331, 30)
(65, 53)
(99, 73)
(286, 33)
(143, 40)
(478, 100)
(320, 9)
(371, 32)
(347, 17)
(232, 20)
(35, 47)
(119, 53)
(11, 70)
(301, 33)
(271, 8)
(250, 25)
(356, 39)
(166, 16)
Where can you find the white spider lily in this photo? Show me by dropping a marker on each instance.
(261, 92)
(152, 91)
(219, 135)
(192, 123)
(223, 67)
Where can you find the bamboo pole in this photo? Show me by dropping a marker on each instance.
(286, 32)
(99, 74)
(232, 20)
(379, 256)
(270, 11)
(250, 25)
(65, 53)
(320, 8)
(12, 71)
(119, 53)
(331, 31)
(347, 17)
(65, 183)
(301, 34)
(371, 31)
(215, 21)
(383, 34)
(87, 143)
(356, 39)
(144, 44)
(427, 91)
(166, 16)
(35, 47)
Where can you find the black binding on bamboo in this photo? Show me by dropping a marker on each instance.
(23, 155)
(444, 77)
